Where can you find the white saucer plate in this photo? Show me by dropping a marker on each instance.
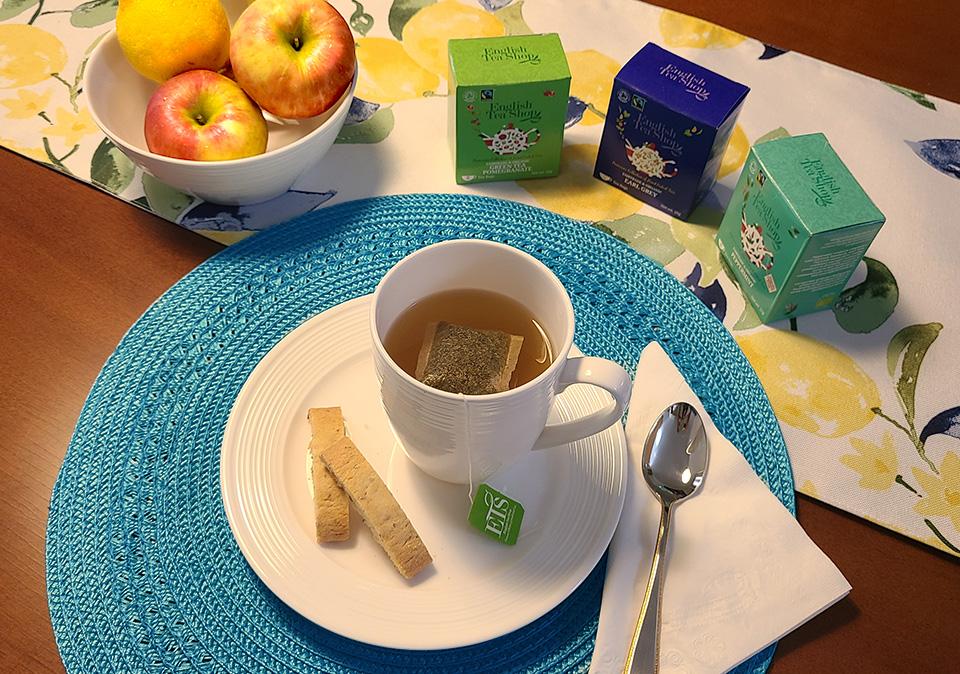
(476, 589)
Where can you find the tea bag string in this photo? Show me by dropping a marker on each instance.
(469, 441)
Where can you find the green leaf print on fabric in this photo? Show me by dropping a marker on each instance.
(698, 235)
(372, 130)
(512, 18)
(905, 354)
(867, 305)
(93, 13)
(779, 132)
(110, 168)
(10, 8)
(748, 318)
(360, 21)
(400, 13)
(164, 200)
(916, 96)
(647, 235)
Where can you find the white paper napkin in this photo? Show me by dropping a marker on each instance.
(740, 572)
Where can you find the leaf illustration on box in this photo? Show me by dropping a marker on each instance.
(867, 305)
(942, 154)
(712, 296)
(94, 13)
(650, 236)
(210, 216)
(945, 423)
(10, 8)
(771, 52)
(165, 201)
(575, 110)
(915, 96)
(110, 168)
(400, 13)
(372, 130)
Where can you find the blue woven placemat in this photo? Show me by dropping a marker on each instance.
(143, 574)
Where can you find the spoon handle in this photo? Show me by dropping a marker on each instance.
(644, 654)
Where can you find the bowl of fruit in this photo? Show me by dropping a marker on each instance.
(229, 102)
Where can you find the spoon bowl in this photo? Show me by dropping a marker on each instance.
(675, 453)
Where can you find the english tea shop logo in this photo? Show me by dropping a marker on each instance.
(666, 136)
(824, 185)
(510, 53)
(694, 84)
(518, 111)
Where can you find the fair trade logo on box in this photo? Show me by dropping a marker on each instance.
(796, 228)
(666, 129)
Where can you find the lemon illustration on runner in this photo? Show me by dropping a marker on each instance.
(680, 30)
(388, 74)
(576, 193)
(812, 386)
(426, 34)
(163, 38)
(591, 80)
(28, 55)
(736, 152)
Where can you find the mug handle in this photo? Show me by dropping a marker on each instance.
(597, 372)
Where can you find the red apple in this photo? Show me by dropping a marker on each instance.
(294, 57)
(205, 116)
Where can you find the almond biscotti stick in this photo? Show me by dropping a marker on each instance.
(331, 507)
(377, 506)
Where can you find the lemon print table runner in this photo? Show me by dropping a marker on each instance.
(865, 391)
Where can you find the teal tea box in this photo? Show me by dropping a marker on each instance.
(667, 127)
(796, 227)
(507, 103)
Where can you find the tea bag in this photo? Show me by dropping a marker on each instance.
(464, 360)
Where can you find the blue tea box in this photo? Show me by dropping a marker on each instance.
(666, 130)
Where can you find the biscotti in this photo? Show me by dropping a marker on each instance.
(377, 506)
(330, 505)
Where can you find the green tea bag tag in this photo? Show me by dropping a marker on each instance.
(496, 514)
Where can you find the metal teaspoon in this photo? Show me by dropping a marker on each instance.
(675, 457)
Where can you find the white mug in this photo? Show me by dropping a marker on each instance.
(456, 437)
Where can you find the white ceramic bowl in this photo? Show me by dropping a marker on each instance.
(117, 96)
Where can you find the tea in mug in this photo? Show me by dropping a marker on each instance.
(469, 341)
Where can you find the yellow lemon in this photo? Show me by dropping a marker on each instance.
(163, 38)
(680, 30)
(388, 74)
(28, 55)
(812, 386)
(576, 193)
(736, 152)
(591, 80)
(426, 34)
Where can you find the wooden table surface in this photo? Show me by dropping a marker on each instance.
(77, 267)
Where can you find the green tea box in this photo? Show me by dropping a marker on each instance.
(796, 227)
(507, 107)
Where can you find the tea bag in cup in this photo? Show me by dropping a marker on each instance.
(459, 359)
